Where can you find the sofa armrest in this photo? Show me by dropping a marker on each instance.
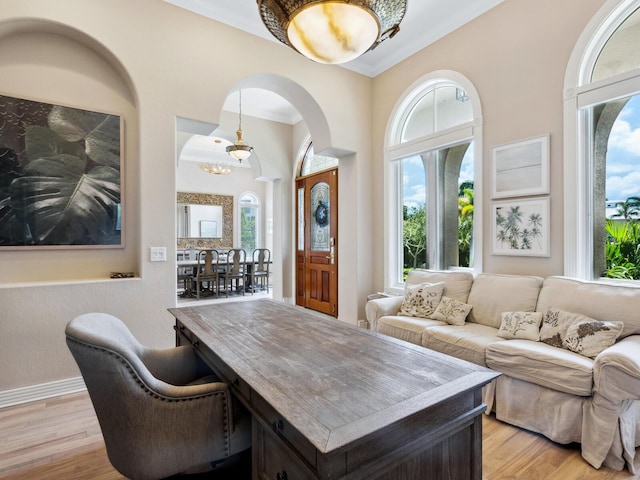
(616, 371)
(380, 307)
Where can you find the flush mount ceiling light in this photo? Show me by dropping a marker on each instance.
(332, 31)
(239, 150)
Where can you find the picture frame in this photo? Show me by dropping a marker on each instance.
(521, 168)
(208, 229)
(61, 176)
(521, 227)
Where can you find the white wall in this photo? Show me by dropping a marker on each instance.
(151, 61)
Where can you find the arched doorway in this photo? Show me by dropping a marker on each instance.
(317, 233)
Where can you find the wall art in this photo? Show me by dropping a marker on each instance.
(521, 168)
(521, 227)
(60, 176)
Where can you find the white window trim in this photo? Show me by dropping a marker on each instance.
(579, 94)
(394, 151)
(258, 207)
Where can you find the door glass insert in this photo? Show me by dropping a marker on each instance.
(320, 217)
(301, 219)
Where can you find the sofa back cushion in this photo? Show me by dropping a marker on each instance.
(491, 294)
(456, 283)
(600, 301)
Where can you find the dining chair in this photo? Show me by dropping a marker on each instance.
(185, 274)
(235, 270)
(259, 270)
(162, 412)
(206, 277)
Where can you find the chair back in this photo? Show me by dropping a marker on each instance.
(207, 263)
(236, 258)
(261, 260)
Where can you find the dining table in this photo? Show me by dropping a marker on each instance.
(221, 262)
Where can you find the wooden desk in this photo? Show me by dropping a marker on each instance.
(333, 401)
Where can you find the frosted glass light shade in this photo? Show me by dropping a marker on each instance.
(333, 32)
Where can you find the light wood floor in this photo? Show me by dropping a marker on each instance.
(59, 439)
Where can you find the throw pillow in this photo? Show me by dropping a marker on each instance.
(555, 324)
(451, 311)
(421, 300)
(589, 338)
(522, 325)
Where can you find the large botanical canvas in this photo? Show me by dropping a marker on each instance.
(521, 227)
(60, 176)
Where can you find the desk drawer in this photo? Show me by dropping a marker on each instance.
(273, 459)
(284, 429)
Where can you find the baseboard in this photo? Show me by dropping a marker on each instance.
(41, 391)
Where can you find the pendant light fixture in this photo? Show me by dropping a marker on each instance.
(218, 165)
(239, 150)
(332, 31)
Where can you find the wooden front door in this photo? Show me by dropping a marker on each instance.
(317, 242)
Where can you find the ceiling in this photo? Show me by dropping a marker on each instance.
(425, 22)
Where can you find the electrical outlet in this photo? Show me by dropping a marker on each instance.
(158, 254)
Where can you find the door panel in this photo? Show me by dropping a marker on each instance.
(316, 259)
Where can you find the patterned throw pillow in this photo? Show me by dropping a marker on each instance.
(523, 325)
(591, 338)
(451, 311)
(555, 324)
(421, 300)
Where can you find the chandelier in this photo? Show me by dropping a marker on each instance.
(239, 150)
(332, 31)
(217, 167)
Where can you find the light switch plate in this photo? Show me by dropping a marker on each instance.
(158, 254)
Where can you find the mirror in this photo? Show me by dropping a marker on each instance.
(199, 221)
(204, 220)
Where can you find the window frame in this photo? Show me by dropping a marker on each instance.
(580, 95)
(395, 151)
(255, 204)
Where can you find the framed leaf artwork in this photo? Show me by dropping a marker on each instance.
(60, 176)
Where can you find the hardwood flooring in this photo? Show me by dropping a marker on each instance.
(60, 439)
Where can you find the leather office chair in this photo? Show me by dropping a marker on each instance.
(260, 268)
(162, 412)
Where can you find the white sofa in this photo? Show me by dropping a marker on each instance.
(566, 396)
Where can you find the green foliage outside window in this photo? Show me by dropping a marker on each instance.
(247, 229)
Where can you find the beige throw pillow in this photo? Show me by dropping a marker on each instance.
(555, 324)
(522, 325)
(589, 338)
(451, 311)
(421, 300)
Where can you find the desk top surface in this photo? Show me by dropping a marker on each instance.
(332, 381)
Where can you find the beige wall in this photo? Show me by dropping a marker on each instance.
(516, 56)
(152, 61)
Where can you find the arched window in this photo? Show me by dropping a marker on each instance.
(602, 183)
(249, 221)
(312, 163)
(430, 179)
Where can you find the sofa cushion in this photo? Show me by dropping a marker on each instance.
(523, 325)
(456, 283)
(600, 301)
(451, 311)
(589, 338)
(408, 329)
(542, 364)
(492, 294)
(467, 342)
(421, 300)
